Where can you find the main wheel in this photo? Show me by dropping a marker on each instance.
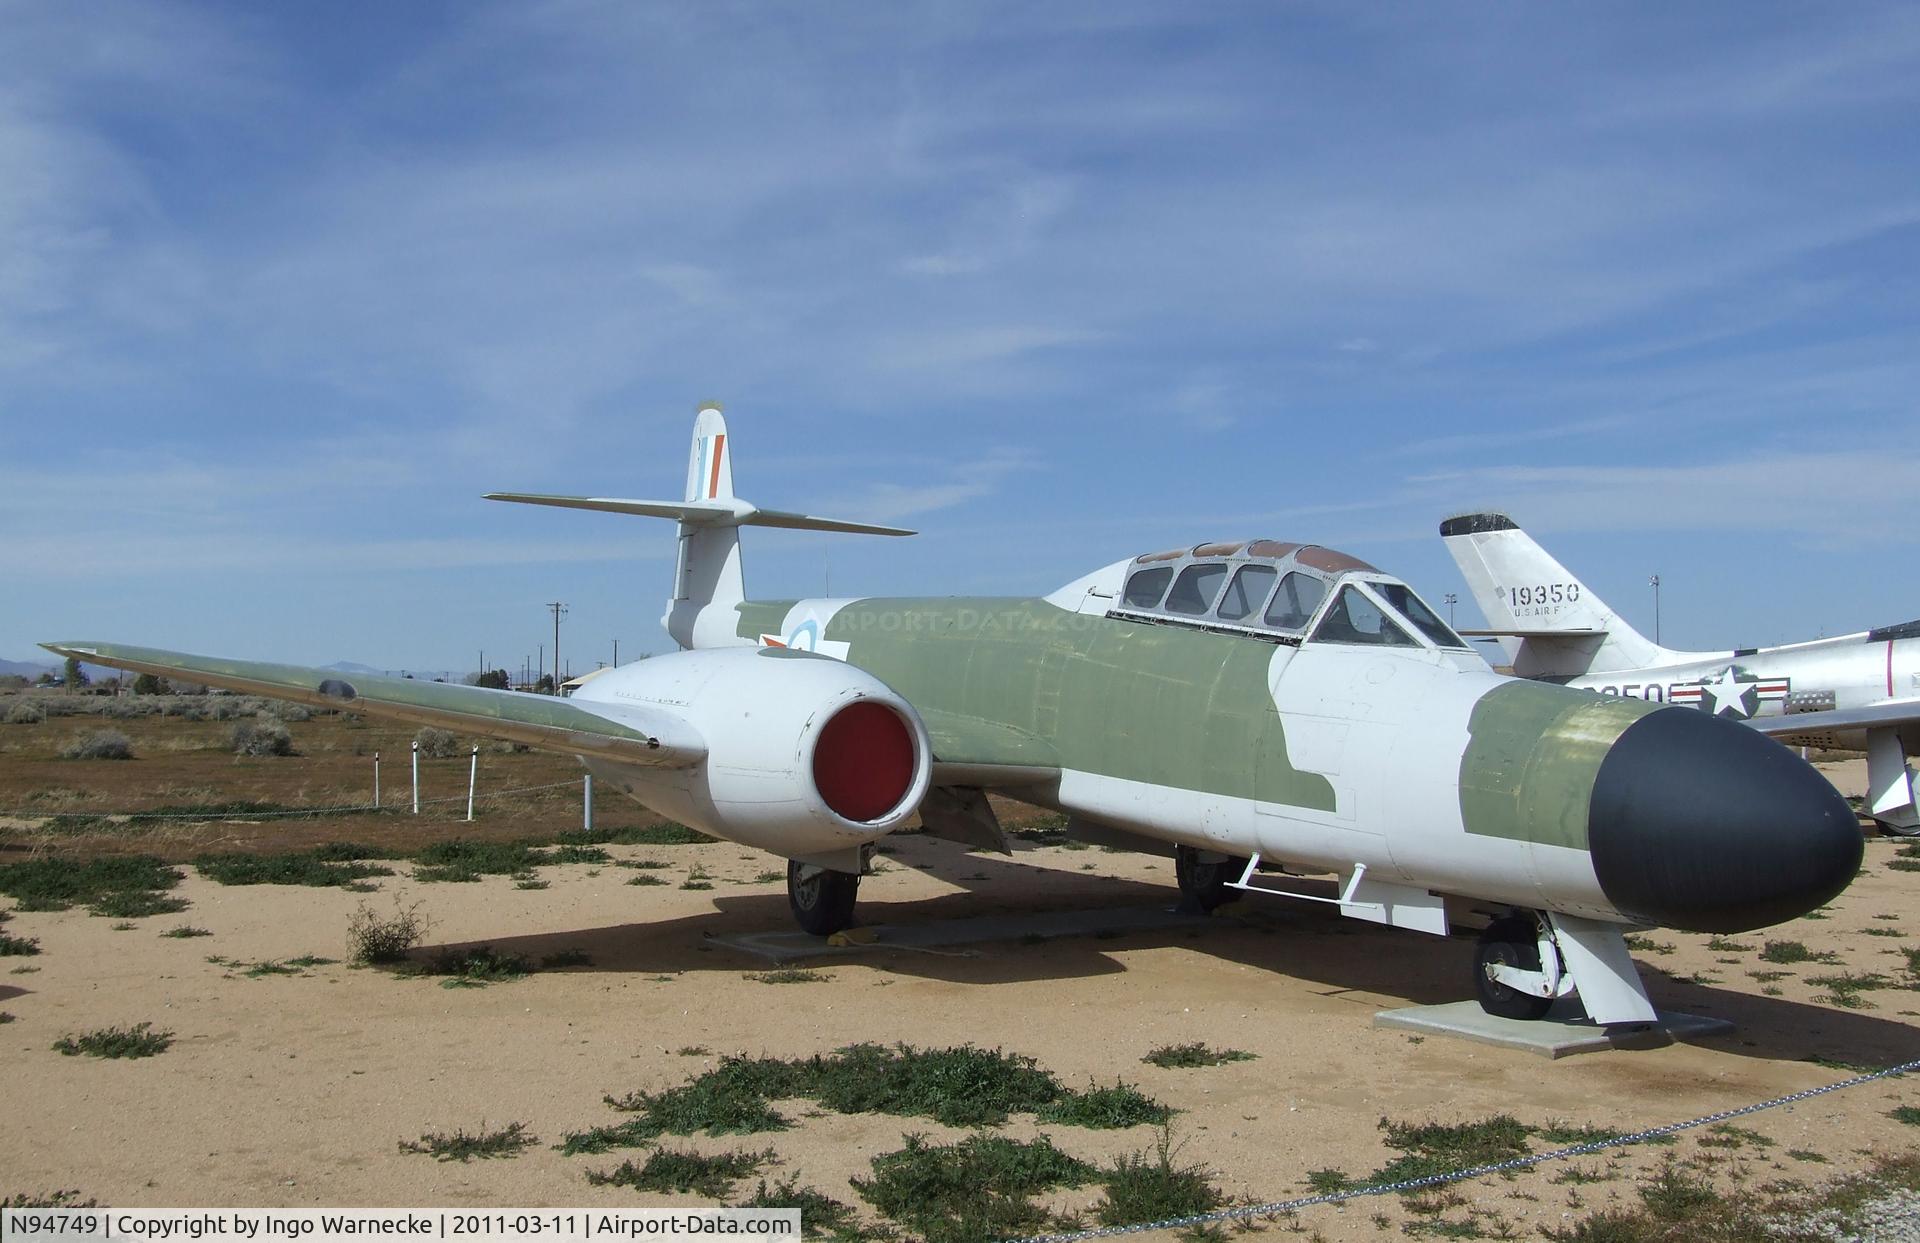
(821, 899)
(1203, 886)
(1510, 942)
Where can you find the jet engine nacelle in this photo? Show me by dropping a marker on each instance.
(807, 757)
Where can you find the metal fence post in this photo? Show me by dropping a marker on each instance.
(473, 775)
(416, 777)
(376, 780)
(586, 819)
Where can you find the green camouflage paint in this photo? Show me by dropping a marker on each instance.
(1012, 679)
(1527, 773)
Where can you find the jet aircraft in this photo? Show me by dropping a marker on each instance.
(1254, 708)
(1859, 691)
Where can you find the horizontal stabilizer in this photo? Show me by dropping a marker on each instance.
(730, 512)
(1522, 634)
(633, 733)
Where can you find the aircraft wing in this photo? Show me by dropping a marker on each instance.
(632, 734)
(968, 751)
(1904, 712)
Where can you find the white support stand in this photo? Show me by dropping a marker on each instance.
(1891, 797)
(586, 804)
(416, 778)
(1602, 970)
(473, 776)
(1375, 901)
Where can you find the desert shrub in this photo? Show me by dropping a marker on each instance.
(262, 736)
(186, 707)
(294, 713)
(101, 744)
(235, 707)
(25, 712)
(437, 744)
(149, 684)
(373, 939)
(140, 1040)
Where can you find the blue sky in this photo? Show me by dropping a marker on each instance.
(284, 288)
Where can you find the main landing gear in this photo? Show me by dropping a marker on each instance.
(1507, 974)
(821, 899)
(1205, 878)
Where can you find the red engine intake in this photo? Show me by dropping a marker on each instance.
(863, 761)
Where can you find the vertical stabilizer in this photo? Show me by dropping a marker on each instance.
(707, 580)
(1564, 630)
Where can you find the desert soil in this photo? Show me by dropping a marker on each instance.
(297, 1090)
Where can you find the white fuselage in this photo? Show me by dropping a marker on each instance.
(1852, 671)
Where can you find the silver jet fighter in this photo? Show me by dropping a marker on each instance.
(1252, 708)
(1859, 691)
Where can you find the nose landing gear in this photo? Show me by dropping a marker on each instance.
(1517, 971)
(821, 899)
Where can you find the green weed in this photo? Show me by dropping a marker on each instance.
(818, 1213)
(1143, 1187)
(186, 930)
(140, 1040)
(1185, 1056)
(663, 834)
(474, 967)
(787, 975)
(645, 878)
(53, 884)
(325, 867)
(1438, 1148)
(1105, 1109)
(976, 1189)
(509, 1141)
(669, 1169)
(18, 947)
(1793, 951)
(136, 903)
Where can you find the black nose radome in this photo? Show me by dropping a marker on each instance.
(1707, 825)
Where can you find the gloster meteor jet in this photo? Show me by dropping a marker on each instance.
(1257, 709)
(1859, 691)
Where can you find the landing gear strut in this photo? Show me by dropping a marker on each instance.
(1511, 942)
(1203, 885)
(821, 899)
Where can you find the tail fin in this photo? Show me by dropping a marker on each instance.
(1563, 628)
(707, 581)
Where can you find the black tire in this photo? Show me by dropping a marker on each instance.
(1203, 886)
(1508, 942)
(822, 903)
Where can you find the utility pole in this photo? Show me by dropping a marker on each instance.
(1654, 582)
(616, 653)
(559, 611)
(483, 660)
(1451, 600)
(541, 668)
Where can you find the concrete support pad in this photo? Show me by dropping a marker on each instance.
(1565, 1031)
(936, 936)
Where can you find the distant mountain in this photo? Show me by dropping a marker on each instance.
(351, 666)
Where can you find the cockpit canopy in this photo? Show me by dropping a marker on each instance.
(1290, 593)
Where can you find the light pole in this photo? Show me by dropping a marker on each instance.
(1654, 582)
(559, 611)
(616, 653)
(1451, 600)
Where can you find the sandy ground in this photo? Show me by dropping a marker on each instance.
(296, 1090)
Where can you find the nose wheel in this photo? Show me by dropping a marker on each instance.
(821, 899)
(1204, 878)
(1507, 976)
